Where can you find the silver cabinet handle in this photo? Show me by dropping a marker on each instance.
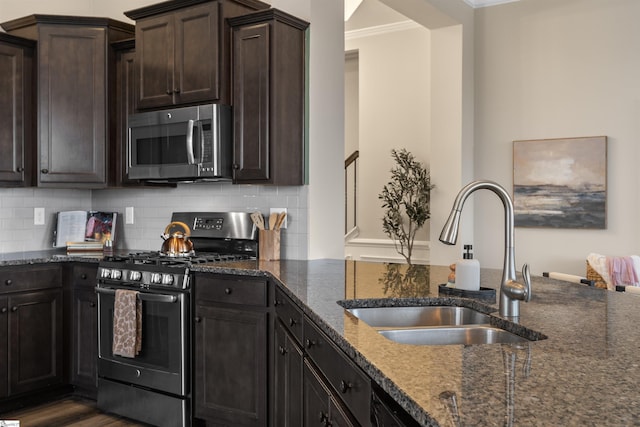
(142, 296)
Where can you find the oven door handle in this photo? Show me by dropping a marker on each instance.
(142, 296)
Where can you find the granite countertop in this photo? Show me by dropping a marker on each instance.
(586, 372)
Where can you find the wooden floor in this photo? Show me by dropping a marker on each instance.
(70, 411)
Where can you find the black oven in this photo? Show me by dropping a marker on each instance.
(154, 385)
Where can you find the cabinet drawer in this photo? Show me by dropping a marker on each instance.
(14, 279)
(231, 290)
(290, 314)
(351, 384)
(85, 275)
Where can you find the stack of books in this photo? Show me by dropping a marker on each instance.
(83, 247)
(85, 232)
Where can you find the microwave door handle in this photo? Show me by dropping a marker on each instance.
(202, 142)
(216, 145)
(190, 157)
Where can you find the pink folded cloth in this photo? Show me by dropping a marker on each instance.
(621, 271)
(127, 323)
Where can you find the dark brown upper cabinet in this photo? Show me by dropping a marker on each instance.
(17, 89)
(182, 50)
(268, 69)
(76, 97)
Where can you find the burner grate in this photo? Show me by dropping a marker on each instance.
(157, 258)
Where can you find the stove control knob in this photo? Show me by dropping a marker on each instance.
(136, 276)
(106, 273)
(167, 279)
(156, 278)
(116, 274)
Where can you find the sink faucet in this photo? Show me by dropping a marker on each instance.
(511, 291)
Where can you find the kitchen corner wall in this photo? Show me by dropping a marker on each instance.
(152, 212)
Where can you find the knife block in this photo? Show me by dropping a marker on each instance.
(269, 245)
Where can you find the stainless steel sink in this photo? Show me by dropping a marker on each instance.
(435, 325)
(403, 317)
(465, 335)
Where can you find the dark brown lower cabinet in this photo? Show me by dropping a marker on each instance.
(31, 353)
(35, 347)
(231, 360)
(288, 371)
(320, 406)
(4, 348)
(84, 362)
(385, 412)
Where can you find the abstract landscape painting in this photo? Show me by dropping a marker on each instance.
(560, 183)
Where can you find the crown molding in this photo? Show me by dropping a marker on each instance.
(486, 3)
(381, 29)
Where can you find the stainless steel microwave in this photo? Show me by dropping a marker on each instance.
(181, 144)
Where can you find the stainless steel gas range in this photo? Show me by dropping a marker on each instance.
(154, 385)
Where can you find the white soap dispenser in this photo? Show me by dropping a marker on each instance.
(468, 271)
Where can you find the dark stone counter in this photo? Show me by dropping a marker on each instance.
(586, 372)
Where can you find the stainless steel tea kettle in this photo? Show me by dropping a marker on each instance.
(177, 243)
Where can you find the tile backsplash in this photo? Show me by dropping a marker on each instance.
(152, 212)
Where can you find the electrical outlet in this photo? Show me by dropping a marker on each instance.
(128, 215)
(38, 216)
(278, 210)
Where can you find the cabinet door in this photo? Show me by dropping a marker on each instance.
(196, 71)
(251, 79)
(15, 120)
(4, 348)
(320, 407)
(72, 105)
(126, 101)
(231, 366)
(35, 340)
(85, 338)
(268, 69)
(287, 377)
(155, 53)
(351, 385)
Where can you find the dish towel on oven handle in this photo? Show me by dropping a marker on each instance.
(127, 323)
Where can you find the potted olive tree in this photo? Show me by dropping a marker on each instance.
(406, 200)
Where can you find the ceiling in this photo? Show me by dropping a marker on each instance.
(369, 13)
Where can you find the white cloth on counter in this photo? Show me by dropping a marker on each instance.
(600, 264)
(566, 277)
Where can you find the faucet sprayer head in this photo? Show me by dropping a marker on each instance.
(449, 233)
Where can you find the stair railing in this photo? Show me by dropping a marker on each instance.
(351, 192)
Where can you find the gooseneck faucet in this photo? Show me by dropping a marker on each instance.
(511, 291)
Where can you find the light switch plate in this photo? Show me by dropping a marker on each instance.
(278, 210)
(128, 215)
(38, 216)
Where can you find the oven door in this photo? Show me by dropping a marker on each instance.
(162, 363)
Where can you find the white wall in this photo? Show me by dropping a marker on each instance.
(309, 235)
(394, 89)
(446, 118)
(550, 69)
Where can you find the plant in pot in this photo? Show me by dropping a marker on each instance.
(406, 200)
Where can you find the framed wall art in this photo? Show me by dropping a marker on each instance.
(560, 183)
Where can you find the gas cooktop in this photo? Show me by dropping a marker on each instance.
(160, 259)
